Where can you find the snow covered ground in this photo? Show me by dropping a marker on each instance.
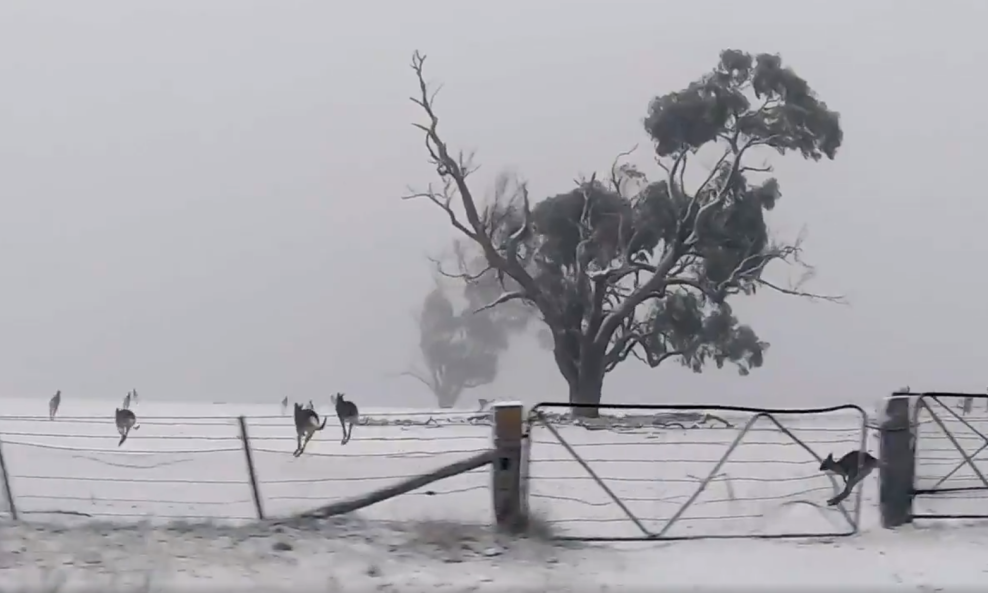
(95, 514)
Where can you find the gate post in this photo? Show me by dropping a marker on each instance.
(7, 490)
(255, 490)
(898, 457)
(508, 490)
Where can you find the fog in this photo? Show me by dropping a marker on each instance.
(201, 200)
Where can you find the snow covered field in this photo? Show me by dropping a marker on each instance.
(186, 462)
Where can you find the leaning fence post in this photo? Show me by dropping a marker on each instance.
(898, 457)
(7, 491)
(510, 504)
(251, 473)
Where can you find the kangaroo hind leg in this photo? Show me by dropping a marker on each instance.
(343, 426)
(848, 488)
(305, 441)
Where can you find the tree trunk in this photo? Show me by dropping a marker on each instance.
(587, 388)
(447, 398)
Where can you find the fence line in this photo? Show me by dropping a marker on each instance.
(263, 487)
(262, 445)
(29, 491)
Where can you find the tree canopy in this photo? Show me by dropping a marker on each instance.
(629, 266)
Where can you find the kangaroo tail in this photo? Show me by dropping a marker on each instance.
(122, 439)
(136, 426)
(323, 425)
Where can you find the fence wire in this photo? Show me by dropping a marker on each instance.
(941, 449)
(194, 469)
(951, 458)
(656, 474)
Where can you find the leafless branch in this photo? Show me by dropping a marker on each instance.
(751, 269)
(765, 169)
(616, 169)
(464, 276)
(415, 375)
(749, 272)
(454, 172)
(504, 298)
(838, 299)
(443, 199)
(627, 345)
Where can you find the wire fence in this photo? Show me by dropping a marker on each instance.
(690, 483)
(197, 468)
(951, 458)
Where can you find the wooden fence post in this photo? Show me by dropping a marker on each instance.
(898, 456)
(7, 491)
(510, 502)
(251, 473)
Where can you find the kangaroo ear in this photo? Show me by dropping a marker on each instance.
(830, 456)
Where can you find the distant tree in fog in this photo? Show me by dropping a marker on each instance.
(460, 347)
(631, 267)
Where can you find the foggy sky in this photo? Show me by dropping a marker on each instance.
(200, 199)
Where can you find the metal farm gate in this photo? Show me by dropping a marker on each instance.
(683, 455)
(949, 432)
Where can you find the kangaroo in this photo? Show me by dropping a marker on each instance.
(284, 405)
(53, 404)
(133, 395)
(482, 404)
(967, 403)
(348, 414)
(125, 421)
(852, 467)
(126, 402)
(306, 425)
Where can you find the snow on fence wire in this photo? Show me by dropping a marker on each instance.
(240, 469)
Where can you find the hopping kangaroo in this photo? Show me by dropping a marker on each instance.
(348, 415)
(966, 404)
(306, 425)
(284, 406)
(53, 404)
(126, 402)
(125, 421)
(852, 467)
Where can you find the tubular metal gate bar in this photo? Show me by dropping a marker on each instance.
(852, 518)
(931, 403)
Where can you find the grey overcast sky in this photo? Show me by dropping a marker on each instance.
(200, 198)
